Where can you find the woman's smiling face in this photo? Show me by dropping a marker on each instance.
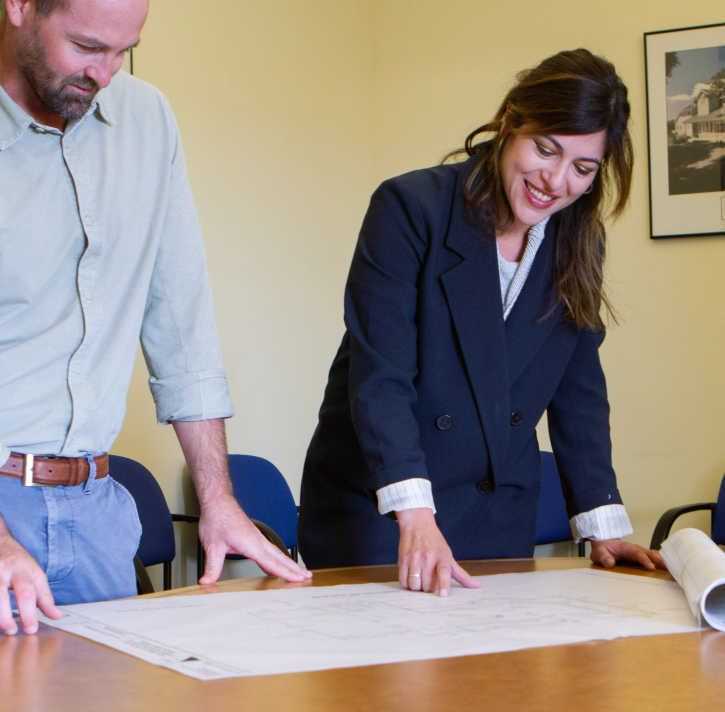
(543, 174)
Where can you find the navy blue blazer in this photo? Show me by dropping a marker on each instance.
(430, 382)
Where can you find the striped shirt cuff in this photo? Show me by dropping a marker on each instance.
(607, 522)
(407, 494)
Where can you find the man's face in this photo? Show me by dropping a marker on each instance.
(68, 56)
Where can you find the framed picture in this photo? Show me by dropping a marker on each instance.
(127, 65)
(686, 130)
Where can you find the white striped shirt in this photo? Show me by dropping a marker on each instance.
(607, 522)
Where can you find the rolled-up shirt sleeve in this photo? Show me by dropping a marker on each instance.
(179, 334)
(191, 396)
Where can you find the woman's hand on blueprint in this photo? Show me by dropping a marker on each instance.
(425, 561)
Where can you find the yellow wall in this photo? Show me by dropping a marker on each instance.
(274, 100)
(292, 111)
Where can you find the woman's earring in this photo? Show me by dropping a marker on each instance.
(589, 189)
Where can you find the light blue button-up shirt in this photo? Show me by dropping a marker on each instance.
(100, 244)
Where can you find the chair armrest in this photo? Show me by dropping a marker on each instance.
(268, 533)
(271, 536)
(191, 518)
(662, 530)
(143, 582)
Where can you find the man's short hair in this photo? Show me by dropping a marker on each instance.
(43, 7)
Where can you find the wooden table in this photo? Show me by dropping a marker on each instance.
(55, 671)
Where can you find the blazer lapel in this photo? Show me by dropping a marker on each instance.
(525, 329)
(473, 293)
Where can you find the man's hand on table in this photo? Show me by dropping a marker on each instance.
(20, 572)
(225, 529)
(423, 550)
(610, 551)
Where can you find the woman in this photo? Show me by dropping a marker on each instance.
(472, 306)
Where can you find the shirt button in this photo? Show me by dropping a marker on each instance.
(443, 422)
(516, 417)
(88, 220)
(88, 295)
(484, 486)
(77, 369)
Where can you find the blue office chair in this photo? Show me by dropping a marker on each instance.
(552, 521)
(157, 544)
(265, 496)
(717, 519)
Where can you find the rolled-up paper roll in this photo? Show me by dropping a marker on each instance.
(698, 565)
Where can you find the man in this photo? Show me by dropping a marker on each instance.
(99, 243)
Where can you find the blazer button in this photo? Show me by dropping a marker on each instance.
(484, 486)
(443, 422)
(516, 417)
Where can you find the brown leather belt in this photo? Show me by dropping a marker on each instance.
(50, 470)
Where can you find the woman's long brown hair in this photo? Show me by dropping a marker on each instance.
(572, 93)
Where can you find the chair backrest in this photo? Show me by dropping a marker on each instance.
(264, 494)
(552, 521)
(157, 539)
(718, 521)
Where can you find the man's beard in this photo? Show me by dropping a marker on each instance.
(32, 61)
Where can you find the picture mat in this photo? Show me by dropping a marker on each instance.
(678, 215)
(318, 628)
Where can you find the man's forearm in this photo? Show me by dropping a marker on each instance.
(224, 527)
(205, 448)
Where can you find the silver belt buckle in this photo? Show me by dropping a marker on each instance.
(28, 469)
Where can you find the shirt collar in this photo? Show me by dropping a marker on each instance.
(536, 232)
(100, 108)
(102, 105)
(535, 236)
(14, 121)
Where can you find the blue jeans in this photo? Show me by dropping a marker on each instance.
(85, 541)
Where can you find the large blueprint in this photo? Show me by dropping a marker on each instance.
(316, 628)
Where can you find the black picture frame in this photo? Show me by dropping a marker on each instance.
(127, 65)
(685, 85)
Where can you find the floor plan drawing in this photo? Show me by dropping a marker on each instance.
(316, 628)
